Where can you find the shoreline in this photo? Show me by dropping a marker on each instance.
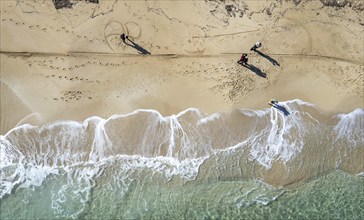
(77, 86)
(93, 127)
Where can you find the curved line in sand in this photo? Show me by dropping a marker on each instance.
(201, 44)
(308, 47)
(112, 34)
(123, 29)
(127, 29)
(35, 114)
(223, 35)
(307, 32)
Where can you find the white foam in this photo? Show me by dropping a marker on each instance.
(71, 198)
(35, 175)
(136, 112)
(23, 176)
(23, 126)
(283, 140)
(61, 143)
(261, 194)
(351, 127)
(100, 142)
(252, 113)
(209, 118)
(186, 169)
(299, 102)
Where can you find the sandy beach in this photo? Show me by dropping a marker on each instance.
(71, 64)
(168, 124)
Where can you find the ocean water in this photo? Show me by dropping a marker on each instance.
(292, 161)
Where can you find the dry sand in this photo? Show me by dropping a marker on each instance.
(70, 64)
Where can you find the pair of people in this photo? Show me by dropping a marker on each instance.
(244, 57)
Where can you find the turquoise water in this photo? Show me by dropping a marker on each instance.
(249, 164)
(337, 195)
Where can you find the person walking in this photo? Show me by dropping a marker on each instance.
(123, 37)
(256, 46)
(243, 59)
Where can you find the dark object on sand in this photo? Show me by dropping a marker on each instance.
(273, 101)
(93, 1)
(256, 46)
(335, 3)
(273, 61)
(274, 104)
(123, 37)
(58, 4)
(243, 59)
(136, 46)
(253, 68)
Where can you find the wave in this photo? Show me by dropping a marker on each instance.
(265, 145)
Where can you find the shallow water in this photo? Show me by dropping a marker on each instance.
(246, 164)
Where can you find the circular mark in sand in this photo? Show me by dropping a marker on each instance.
(194, 45)
(114, 29)
(291, 29)
(112, 33)
(133, 30)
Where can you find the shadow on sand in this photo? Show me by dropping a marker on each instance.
(282, 109)
(136, 46)
(273, 61)
(254, 69)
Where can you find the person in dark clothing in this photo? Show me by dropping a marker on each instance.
(243, 59)
(123, 37)
(273, 102)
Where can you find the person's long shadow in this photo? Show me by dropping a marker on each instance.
(255, 69)
(282, 109)
(273, 61)
(137, 47)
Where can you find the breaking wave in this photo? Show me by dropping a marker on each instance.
(294, 139)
